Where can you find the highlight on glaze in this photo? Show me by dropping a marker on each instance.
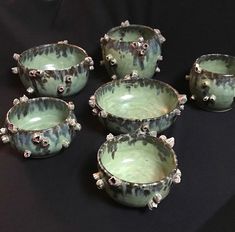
(131, 47)
(40, 127)
(125, 105)
(212, 82)
(137, 169)
(57, 70)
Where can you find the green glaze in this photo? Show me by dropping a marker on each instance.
(218, 65)
(40, 127)
(39, 119)
(126, 105)
(212, 82)
(54, 69)
(129, 164)
(136, 169)
(51, 61)
(131, 48)
(138, 103)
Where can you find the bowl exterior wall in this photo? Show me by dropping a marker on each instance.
(43, 143)
(127, 59)
(122, 126)
(136, 195)
(55, 83)
(213, 92)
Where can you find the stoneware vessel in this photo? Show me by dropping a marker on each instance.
(39, 127)
(137, 169)
(126, 105)
(212, 82)
(129, 48)
(57, 70)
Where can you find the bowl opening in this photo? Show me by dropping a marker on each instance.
(139, 99)
(52, 57)
(131, 33)
(38, 114)
(218, 63)
(138, 160)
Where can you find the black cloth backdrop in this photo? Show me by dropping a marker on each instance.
(58, 193)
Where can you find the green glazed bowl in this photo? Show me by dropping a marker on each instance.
(56, 70)
(39, 127)
(129, 48)
(212, 82)
(124, 106)
(137, 169)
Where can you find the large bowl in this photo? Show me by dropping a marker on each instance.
(40, 127)
(56, 70)
(137, 169)
(124, 106)
(212, 82)
(129, 48)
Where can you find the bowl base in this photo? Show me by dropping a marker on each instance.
(212, 110)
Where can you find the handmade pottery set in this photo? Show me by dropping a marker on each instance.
(136, 168)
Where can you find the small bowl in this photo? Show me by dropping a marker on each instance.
(212, 82)
(124, 106)
(137, 169)
(56, 70)
(129, 48)
(39, 127)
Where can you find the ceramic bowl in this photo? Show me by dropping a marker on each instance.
(56, 70)
(124, 106)
(137, 169)
(39, 127)
(129, 48)
(212, 82)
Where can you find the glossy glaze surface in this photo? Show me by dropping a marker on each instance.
(136, 102)
(135, 169)
(38, 116)
(218, 64)
(140, 163)
(131, 47)
(54, 69)
(126, 105)
(40, 127)
(54, 60)
(212, 82)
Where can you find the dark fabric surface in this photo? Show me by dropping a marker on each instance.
(58, 193)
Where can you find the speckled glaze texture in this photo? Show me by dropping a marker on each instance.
(53, 77)
(137, 193)
(40, 127)
(213, 88)
(167, 105)
(129, 48)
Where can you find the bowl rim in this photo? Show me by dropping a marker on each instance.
(131, 25)
(34, 100)
(154, 183)
(49, 45)
(197, 62)
(136, 80)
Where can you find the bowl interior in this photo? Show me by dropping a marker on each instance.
(144, 160)
(38, 114)
(139, 99)
(52, 57)
(131, 33)
(221, 64)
